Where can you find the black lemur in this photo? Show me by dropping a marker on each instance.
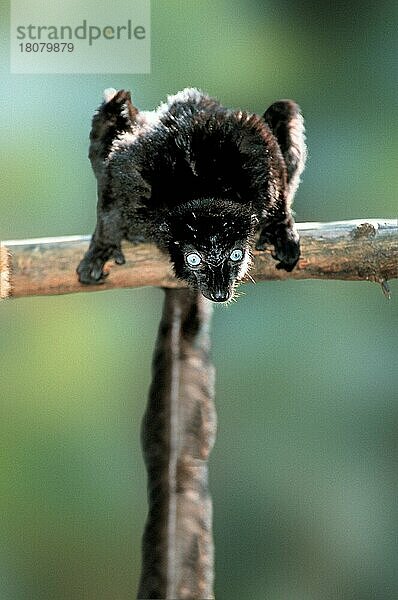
(199, 181)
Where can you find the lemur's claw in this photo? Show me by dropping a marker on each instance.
(118, 257)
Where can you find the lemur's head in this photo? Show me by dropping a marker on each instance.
(209, 244)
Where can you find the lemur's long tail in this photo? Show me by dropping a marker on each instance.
(285, 120)
(178, 433)
(115, 116)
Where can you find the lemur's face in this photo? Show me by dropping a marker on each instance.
(214, 271)
(209, 246)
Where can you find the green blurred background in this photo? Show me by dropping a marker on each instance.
(304, 471)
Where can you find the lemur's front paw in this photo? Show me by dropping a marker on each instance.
(90, 269)
(286, 244)
(287, 249)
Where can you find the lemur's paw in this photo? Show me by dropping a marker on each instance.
(287, 249)
(90, 271)
(265, 239)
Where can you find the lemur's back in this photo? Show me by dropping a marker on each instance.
(196, 148)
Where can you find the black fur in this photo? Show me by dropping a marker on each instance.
(195, 178)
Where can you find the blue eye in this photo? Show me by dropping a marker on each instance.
(193, 259)
(236, 255)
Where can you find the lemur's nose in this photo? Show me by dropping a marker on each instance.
(219, 296)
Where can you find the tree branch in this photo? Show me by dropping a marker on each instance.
(350, 250)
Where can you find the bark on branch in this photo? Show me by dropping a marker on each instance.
(364, 249)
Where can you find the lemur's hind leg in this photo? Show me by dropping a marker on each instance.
(286, 123)
(115, 117)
